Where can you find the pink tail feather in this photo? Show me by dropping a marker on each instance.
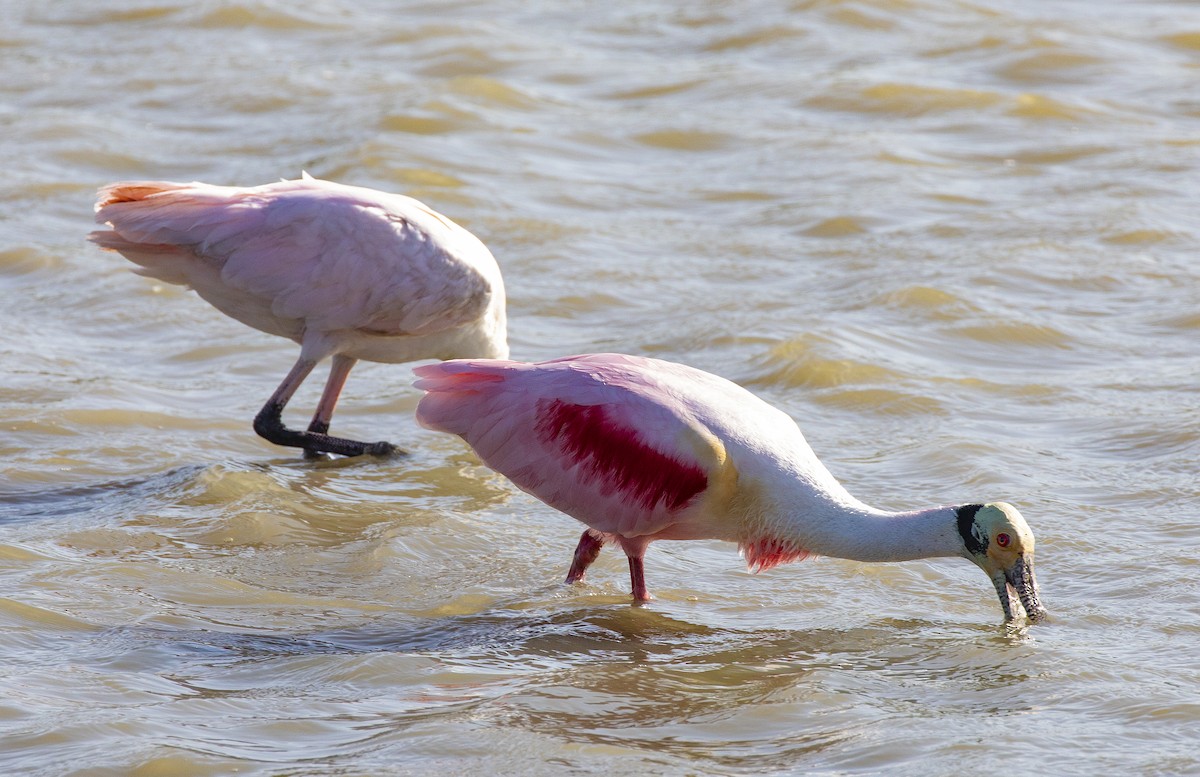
(165, 262)
(459, 375)
(129, 203)
(162, 212)
(133, 191)
(452, 387)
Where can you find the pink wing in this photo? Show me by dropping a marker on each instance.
(590, 436)
(390, 264)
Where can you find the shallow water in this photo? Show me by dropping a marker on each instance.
(956, 241)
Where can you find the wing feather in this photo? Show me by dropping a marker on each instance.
(618, 455)
(337, 257)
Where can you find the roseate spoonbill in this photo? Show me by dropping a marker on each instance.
(642, 450)
(344, 271)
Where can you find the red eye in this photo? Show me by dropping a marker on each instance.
(1003, 539)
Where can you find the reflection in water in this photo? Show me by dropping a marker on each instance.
(30, 504)
(612, 676)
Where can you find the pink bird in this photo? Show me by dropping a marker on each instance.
(642, 450)
(344, 271)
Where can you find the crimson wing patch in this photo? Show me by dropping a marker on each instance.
(617, 456)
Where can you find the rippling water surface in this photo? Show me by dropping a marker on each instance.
(957, 241)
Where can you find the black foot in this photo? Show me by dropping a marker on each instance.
(316, 444)
(381, 449)
(269, 426)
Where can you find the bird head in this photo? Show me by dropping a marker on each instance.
(997, 538)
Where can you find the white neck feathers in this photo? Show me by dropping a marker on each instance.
(836, 524)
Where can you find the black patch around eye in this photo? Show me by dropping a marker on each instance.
(966, 521)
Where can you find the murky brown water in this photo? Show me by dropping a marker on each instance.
(957, 241)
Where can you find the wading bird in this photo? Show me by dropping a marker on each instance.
(344, 271)
(642, 450)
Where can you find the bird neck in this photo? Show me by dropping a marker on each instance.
(868, 534)
(843, 527)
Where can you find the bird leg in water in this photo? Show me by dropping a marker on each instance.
(590, 543)
(269, 421)
(637, 576)
(585, 553)
(635, 549)
(338, 372)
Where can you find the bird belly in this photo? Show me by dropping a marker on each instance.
(475, 340)
(250, 309)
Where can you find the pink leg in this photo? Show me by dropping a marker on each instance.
(635, 549)
(585, 553)
(338, 372)
(637, 576)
